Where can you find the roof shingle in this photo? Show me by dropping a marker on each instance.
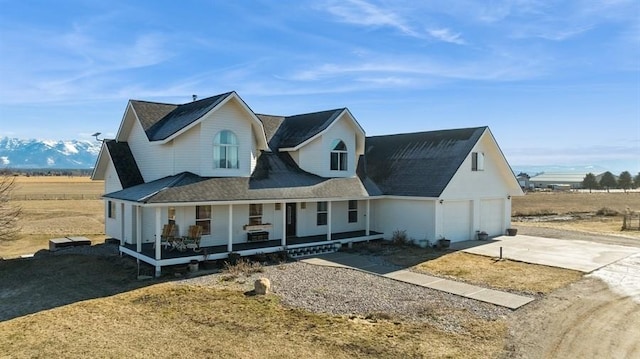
(417, 164)
(125, 164)
(182, 116)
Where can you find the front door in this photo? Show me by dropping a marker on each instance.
(291, 219)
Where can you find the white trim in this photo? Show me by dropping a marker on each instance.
(367, 221)
(158, 233)
(97, 166)
(230, 229)
(250, 201)
(139, 226)
(329, 220)
(124, 118)
(283, 208)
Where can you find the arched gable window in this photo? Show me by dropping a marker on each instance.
(338, 156)
(225, 150)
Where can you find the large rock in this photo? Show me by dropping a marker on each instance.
(262, 286)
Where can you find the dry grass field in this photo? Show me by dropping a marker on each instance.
(500, 274)
(56, 187)
(185, 321)
(43, 219)
(577, 211)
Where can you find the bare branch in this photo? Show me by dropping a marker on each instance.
(9, 211)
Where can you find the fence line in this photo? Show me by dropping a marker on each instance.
(631, 220)
(53, 196)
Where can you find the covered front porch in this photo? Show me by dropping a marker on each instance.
(243, 227)
(162, 256)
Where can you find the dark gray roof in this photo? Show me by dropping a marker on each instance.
(151, 112)
(294, 130)
(126, 166)
(276, 177)
(417, 164)
(182, 116)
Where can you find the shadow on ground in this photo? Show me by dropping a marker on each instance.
(46, 281)
(398, 255)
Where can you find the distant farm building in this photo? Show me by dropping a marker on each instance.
(559, 181)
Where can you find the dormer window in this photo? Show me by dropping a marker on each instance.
(225, 150)
(338, 156)
(477, 161)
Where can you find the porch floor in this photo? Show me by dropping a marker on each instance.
(149, 251)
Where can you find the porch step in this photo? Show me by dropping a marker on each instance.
(312, 250)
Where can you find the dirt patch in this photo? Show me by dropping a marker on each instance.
(583, 320)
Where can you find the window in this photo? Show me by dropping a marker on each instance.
(172, 215)
(255, 214)
(111, 209)
(353, 211)
(321, 216)
(338, 156)
(225, 150)
(203, 218)
(477, 161)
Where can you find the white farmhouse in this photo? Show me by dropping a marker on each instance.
(259, 184)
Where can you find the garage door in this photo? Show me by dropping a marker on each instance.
(491, 216)
(457, 220)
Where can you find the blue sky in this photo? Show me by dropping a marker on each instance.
(558, 82)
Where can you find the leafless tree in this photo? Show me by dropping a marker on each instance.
(9, 212)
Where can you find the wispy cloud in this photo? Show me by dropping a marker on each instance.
(444, 34)
(360, 12)
(497, 68)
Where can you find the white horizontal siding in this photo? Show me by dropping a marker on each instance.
(315, 156)
(233, 118)
(415, 217)
(496, 180)
(154, 159)
(111, 179)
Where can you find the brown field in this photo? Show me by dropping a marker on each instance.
(56, 187)
(536, 203)
(581, 208)
(42, 219)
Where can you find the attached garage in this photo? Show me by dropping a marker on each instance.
(457, 220)
(492, 216)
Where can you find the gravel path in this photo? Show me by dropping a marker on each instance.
(340, 291)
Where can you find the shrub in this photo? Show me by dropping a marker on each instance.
(399, 237)
(244, 267)
(606, 211)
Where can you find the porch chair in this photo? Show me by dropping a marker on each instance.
(167, 235)
(192, 239)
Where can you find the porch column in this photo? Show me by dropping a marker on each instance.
(157, 239)
(367, 221)
(328, 220)
(138, 230)
(230, 231)
(283, 208)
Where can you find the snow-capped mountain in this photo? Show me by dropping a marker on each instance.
(72, 154)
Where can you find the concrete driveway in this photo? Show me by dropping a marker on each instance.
(571, 254)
